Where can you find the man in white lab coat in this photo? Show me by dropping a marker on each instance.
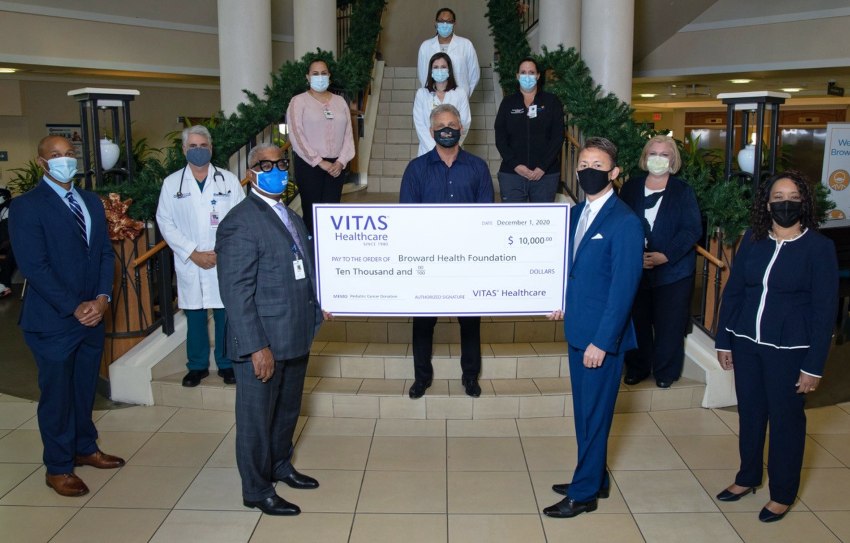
(460, 50)
(192, 203)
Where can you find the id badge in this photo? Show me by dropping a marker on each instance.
(329, 115)
(298, 267)
(214, 219)
(532, 111)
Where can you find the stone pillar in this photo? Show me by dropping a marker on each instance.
(560, 24)
(607, 33)
(244, 49)
(315, 26)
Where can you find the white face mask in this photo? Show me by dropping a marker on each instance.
(658, 165)
(62, 168)
(320, 83)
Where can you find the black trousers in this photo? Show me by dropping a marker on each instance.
(765, 382)
(423, 346)
(316, 187)
(660, 316)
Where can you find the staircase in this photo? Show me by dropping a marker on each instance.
(395, 141)
(363, 367)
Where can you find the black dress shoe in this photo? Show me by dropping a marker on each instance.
(562, 488)
(663, 384)
(193, 378)
(274, 505)
(299, 481)
(729, 496)
(766, 515)
(470, 385)
(632, 379)
(228, 376)
(418, 388)
(568, 508)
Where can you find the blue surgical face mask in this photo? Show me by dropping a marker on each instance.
(273, 182)
(440, 74)
(320, 83)
(198, 156)
(62, 168)
(527, 81)
(445, 29)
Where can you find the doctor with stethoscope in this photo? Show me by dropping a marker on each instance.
(192, 203)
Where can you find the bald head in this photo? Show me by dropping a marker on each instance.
(55, 146)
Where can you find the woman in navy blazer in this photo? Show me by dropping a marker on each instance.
(672, 225)
(776, 322)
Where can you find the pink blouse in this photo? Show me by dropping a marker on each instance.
(319, 130)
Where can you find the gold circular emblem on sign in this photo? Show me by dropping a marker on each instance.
(836, 215)
(839, 179)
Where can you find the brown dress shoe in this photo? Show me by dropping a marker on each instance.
(66, 484)
(100, 460)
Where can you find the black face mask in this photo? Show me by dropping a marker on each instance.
(786, 213)
(447, 137)
(593, 181)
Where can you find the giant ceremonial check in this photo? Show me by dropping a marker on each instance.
(436, 259)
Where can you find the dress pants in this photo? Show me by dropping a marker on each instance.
(198, 339)
(515, 188)
(316, 186)
(266, 415)
(660, 316)
(423, 347)
(594, 396)
(68, 362)
(765, 382)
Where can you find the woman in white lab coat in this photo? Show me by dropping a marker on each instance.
(440, 88)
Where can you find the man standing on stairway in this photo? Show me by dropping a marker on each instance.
(446, 175)
(460, 50)
(191, 204)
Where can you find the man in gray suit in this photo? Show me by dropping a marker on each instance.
(267, 282)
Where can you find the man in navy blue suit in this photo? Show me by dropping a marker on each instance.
(59, 237)
(605, 267)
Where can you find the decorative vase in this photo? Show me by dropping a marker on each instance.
(747, 158)
(109, 153)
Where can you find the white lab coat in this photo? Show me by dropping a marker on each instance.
(185, 224)
(464, 61)
(425, 102)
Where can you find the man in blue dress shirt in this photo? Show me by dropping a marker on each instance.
(446, 175)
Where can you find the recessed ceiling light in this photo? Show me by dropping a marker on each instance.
(740, 81)
(648, 95)
(8, 70)
(791, 89)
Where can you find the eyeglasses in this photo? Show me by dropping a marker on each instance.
(267, 165)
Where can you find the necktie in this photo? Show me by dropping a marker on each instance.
(581, 228)
(78, 215)
(284, 217)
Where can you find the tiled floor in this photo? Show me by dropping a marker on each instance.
(417, 480)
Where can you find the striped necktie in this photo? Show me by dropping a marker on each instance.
(78, 215)
(287, 222)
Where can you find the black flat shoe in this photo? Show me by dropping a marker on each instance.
(418, 388)
(562, 488)
(631, 379)
(663, 384)
(274, 505)
(729, 496)
(228, 376)
(299, 481)
(568, 508)
(471, 386)
(766, 515)
(193, 378)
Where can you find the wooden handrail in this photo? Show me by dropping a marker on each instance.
(574, 142)
(710, 257)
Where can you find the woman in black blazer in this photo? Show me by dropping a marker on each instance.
(776, 322)
(672, 225)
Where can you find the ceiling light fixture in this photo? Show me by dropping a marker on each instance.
(8, 70)
(648, 95)
(740, 81)
(791, 89)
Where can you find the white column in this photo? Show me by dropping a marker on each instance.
(607, 33)
(244, 49)
(560, 24)
(315, 26)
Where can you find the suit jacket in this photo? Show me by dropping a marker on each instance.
(677, 228)
(60, 271)
(266, 305)
(603, 279)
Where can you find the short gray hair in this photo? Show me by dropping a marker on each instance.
(256, 150)
(198, 129)
(444, 108)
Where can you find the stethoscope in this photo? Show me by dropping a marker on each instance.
(217, 176)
